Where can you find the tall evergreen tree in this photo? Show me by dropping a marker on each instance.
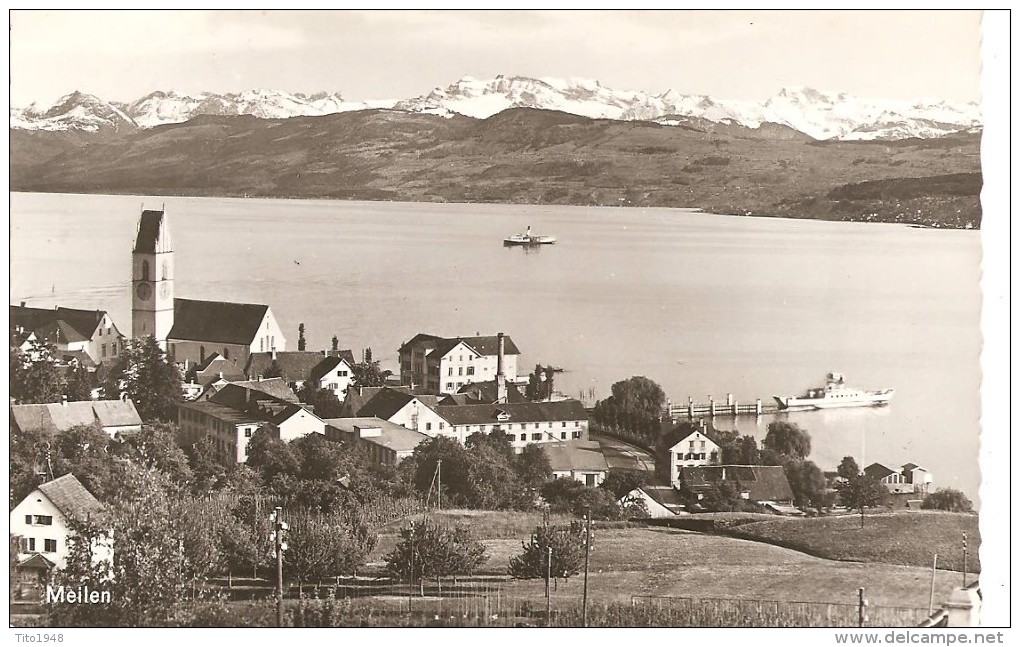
(301, 336)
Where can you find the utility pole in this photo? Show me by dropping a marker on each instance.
(548, 590)
(277, 537)
(587, 554)
(439, 484)
(964, 560)
(931, 594)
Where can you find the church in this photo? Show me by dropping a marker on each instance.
(190, 330)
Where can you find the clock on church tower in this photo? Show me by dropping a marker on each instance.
(152, 263)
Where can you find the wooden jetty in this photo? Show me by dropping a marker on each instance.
(713, 408)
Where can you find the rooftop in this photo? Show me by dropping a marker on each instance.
(216, 321)
(477, 414)
(70, 497)
(52, 418)
(576, 455)
(295, 366)
(392, 436)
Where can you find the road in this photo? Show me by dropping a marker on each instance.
(621, 455)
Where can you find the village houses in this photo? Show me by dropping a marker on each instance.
(909, 479)
(75, 333)
(115, 417)
(384, 443)
(696, 448)
(444, 365)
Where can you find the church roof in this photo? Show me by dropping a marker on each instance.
(216, 321)
(153, 233)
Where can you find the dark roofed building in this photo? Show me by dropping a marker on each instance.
(295, 367)
(153, 236)
(71, 330)
(486, 392)
(524, 422)
(385, 404)
(216, 368)
(758, 483)
(216, 321)
(385, 442)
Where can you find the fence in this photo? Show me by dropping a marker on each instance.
(736, 612)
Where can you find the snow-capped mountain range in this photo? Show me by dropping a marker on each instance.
(821, 115)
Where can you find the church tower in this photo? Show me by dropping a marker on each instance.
(152, 278)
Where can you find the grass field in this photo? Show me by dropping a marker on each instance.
(645, 561)
(906, 538)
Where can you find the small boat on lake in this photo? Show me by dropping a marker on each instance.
(528, 239)
(835, 394)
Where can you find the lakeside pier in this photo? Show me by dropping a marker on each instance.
(714, 408)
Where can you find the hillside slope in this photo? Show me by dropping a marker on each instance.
(521, 155)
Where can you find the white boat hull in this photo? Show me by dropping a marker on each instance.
(837, 401)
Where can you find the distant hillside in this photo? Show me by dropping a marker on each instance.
(521, 155)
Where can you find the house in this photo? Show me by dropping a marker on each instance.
(42, 521)
(582, 461)
(446, 364)
(757, 483)
(295, 367)
(384, 442)
(412, 411)
(90, 332)
(918, 477)
(335, 373)
(233, 414)
(896, 481)
(190, 330)
(488, 392)
(274, 386)
(661, 501)
(113, 416)
(694, 448)
(217, 368)
(525, 422)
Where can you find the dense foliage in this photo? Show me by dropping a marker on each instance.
(947, 499)
(143, 374)
(635, 407)
(567, 559)
(430, 550)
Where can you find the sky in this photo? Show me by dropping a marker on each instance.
(750, 55)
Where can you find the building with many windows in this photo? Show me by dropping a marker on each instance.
(446, 364)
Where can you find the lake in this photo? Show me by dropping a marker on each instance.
(702, 304)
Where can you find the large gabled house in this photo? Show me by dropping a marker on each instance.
(295, 367)
(89, 332)
(446, 364)
(43, 520)
(524, 422)
(232, 415)
(694, 447)
(334, 373)
(909, 479)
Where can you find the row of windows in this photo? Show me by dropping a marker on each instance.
(28, 545)
(39, 519)
(460, 371)
(702, 445)
(113, 349)
(538, 436)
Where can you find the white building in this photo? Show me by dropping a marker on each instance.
(694, 449)
(335, 373)
(42, 520)
(582, 461)
(445, 365)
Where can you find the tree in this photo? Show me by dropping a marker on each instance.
(742, 450)
(301, 337)
(143, 374)
(422, 468)
(320, 459)
(787, 439)
(369, 374)
(155, 446)
(335, 343)
(79, 382)
(324, 401)
(540, 383)
(636, 405)
(492, 482)
(368, 355)
(34, 377)
(532, 466)
(723, 496)
(324, 545)
(808, 484)
(429, 550)
(860, 492)
(271, 456)
(497, 440)
(619, 482)
(85, 451)
(273, 370)
(567, 543)
(947, 499)
(573, 497)
(848, 468)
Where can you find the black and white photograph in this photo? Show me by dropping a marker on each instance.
(418, 318)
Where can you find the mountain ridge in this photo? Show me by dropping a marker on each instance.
(820, 115)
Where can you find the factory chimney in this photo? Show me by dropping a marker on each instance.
(500, 375)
